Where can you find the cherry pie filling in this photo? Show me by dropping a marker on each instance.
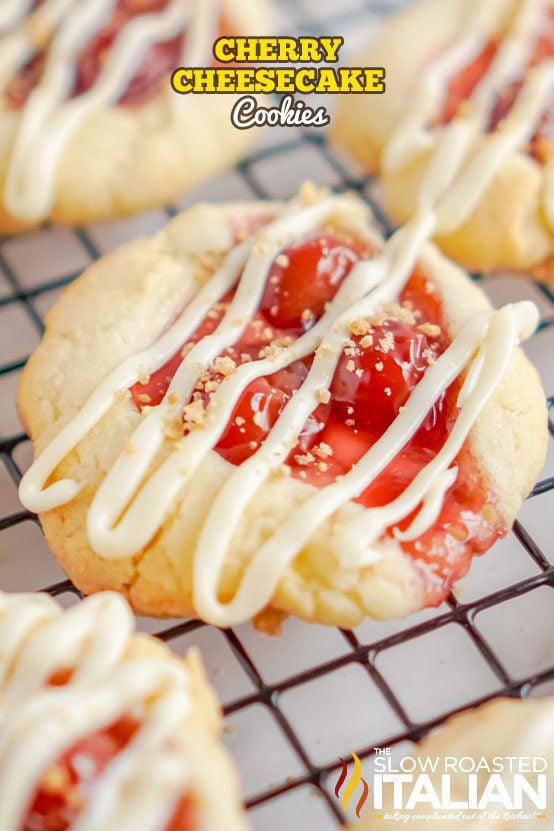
(158, 62)
(462, 85)
(65, 786)
(382, 362)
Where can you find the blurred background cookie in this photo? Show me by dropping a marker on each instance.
(102, 728)
(89, 125)
(469, 71)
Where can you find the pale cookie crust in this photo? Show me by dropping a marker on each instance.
(100, 320)
(501, 728)
(509, 228)
(126, 159)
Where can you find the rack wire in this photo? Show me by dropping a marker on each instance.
(266, 174)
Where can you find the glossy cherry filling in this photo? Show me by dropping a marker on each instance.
(383, 361)
(66, 785)
(158, 62)
(463, 84)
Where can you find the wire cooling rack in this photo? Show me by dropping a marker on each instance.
(294, 704)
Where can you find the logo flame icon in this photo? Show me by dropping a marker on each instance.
(351, 785)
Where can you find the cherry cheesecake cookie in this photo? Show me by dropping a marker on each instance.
(470, 100)
(271, 409)
(496, 741)
(103, 729)
(89, 124)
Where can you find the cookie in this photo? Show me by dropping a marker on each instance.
(269, 409)
(89, 125)
(489, 736)
(468, 101)
(103, 728)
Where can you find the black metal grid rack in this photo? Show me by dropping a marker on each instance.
(356, 651)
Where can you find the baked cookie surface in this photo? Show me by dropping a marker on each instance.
(500, 730)
(89, 125)
(270, 410)
(468, 90)
(102, 728)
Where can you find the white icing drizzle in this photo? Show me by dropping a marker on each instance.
(506, 327)
(38, 723)
(129, 507)
(49, 118)
(17, 46)
(12, 11)
(204, 22)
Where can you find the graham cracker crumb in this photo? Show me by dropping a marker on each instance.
(360, 327)
(322, 450)
(224, 366)
(304, 458)
(261, 246)
(325, 348)
(55, 780)
(283, 471)
(195, 413)
(430, 329)
(402, 313)
(323, 396)
(122, 396)
(386, 343)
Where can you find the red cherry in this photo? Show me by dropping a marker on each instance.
(297, 292)
(461, 86)
(256, 412)
(184, 818)
(372, 384)
(81, 764)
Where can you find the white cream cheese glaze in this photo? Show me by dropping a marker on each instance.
(129, 507)
(12, 11)
(50, 117)
(143, 784)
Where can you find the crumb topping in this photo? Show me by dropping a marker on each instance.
(194, 414)
(224, 366)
